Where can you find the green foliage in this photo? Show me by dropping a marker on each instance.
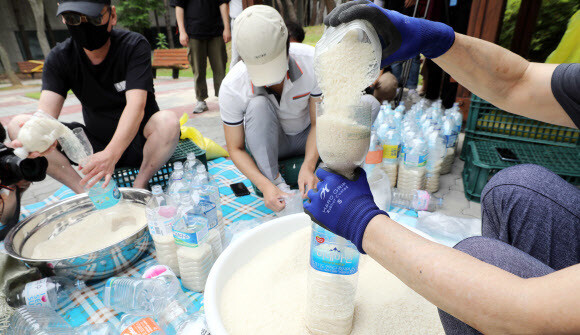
(134, 14)
(161, 41)
(550, 27)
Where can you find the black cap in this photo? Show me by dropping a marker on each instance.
(87, 7)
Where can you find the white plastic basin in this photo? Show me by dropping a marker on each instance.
(241, 252)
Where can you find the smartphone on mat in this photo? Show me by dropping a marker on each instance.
(240, 189)
(507, 155)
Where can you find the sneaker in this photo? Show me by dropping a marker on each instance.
(200, 107)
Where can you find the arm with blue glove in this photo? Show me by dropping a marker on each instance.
(486, 297)
(493, 73)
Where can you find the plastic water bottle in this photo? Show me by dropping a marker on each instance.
(418, 200)
(332, 281)
(391, 142)
(97, 329)
(194, 255)
(104, 198)
(202, 198)
(412, 169)
(449, 134)
(457, 118)
(177, 183)
(400, 108)
(138, 325)
(53, 292)
(190, 167)
(210, 193)
(435, 157)
(141, 296)
(161, 215)
(33, 320)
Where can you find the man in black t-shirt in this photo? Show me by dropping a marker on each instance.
(109, 71)
(204, 27)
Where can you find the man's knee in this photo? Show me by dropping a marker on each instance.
(520, 178)
(163, 122)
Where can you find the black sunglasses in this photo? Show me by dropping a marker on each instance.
(74, 19)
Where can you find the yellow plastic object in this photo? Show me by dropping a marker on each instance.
(212, 149)
(568, 51)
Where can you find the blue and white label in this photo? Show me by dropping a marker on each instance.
(450, 140)
(36, 293)
(107, 197)
(331, 255)
(415, 160)
(190, 239)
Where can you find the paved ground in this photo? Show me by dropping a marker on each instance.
(179, 96)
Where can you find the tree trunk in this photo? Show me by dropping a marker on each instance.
(38, 12)
(5, 60)
(167, 18)
(281, 8)
(49, 32)
(320, 14)
(300, 12)
(156, 17)
(330, 5)
(314, 12)
(21, 31)
(292, 11)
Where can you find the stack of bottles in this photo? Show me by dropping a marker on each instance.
(419, 143)
(187, 223)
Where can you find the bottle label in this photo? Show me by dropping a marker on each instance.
(160, 227)
(450, 140)
(391, 152)
(192, 240)
(330, 254)
(145, 326)
(415, 160)
(374, 157)
(421, 200)
(107, 197)
(210, 211)
(36, 293)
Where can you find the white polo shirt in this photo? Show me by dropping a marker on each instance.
(300, 83)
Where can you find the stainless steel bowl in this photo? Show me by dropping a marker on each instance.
(96, 265)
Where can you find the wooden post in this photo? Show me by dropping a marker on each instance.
(525, 26)
(485, 21)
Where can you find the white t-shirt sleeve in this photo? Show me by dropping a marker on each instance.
(231, 106)
(315, 92)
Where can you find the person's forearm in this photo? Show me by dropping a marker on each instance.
(311, 152)
(225, 12)
(248, 167)
(51, 103)
(481, 295)
(504, 79)
(180, 18)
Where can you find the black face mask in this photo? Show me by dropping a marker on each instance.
(89, 36)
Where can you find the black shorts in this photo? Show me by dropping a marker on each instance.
(133, 155)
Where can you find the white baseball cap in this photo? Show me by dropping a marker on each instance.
(260, 36)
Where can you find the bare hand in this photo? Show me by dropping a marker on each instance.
(227, 34)
(307, 180)
(183, 39)
(273, 198)
(101, 165)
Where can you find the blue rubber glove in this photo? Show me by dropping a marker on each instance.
(402, 37)
(342, 206)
